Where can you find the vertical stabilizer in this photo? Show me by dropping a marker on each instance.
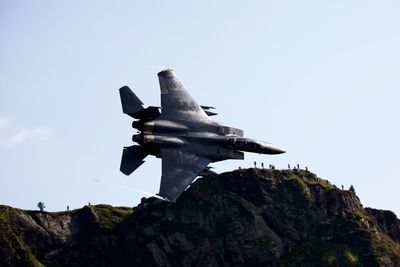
(130, 102)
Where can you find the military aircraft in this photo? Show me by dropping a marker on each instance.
(181, 133)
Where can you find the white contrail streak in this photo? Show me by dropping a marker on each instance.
(141, 192)
(133, 189)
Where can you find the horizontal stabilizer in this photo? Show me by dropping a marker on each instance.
(207, 107)
(207, 110)
(130, 102)
(132, 158)
(210, 113)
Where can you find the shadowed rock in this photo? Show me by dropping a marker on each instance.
(243, 218)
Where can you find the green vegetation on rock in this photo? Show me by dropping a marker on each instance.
(249, 217)
(316, 253)
(110, 216)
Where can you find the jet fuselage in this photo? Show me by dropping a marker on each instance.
(163, 133)
(182, 134)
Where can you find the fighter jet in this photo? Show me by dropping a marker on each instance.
(181, 133)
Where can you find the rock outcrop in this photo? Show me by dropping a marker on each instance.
(249, 217)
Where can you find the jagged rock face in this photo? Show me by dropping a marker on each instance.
(242, 218)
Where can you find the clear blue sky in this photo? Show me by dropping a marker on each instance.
(319, 78)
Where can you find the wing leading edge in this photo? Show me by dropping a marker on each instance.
(177, 104)
(179, 169)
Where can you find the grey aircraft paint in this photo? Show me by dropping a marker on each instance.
(183, 135)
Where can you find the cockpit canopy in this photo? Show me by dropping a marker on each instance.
(247, 143)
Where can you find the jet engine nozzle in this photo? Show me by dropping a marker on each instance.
(137, 125)
(137, 138)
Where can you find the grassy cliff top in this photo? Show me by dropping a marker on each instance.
(247, 217)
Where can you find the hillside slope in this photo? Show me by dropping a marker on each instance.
(249, 217)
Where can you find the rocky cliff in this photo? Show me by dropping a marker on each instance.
(247, 217)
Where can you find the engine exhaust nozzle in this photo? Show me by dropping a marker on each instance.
(137, 138)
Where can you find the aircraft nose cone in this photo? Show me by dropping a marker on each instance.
(275, 150)
(279, 151)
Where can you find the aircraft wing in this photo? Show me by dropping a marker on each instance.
(176, 103)
(179, 168)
